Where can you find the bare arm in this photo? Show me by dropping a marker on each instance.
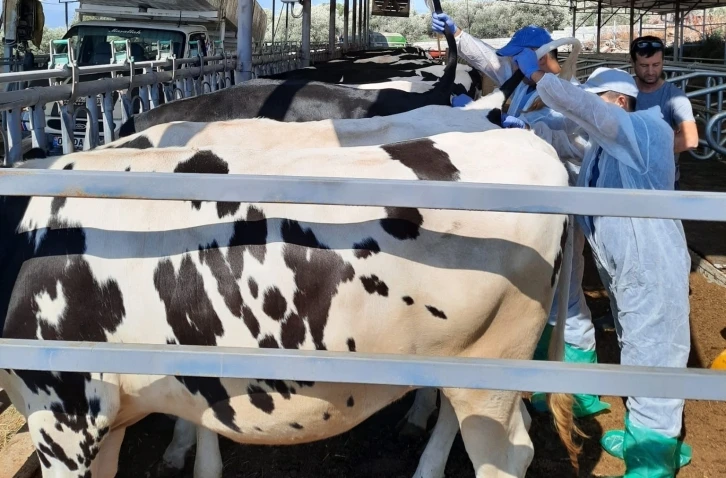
(686, 137)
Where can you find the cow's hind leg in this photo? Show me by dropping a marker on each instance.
(414, 423)
(69, 418)
(493, 428)
(433, 460)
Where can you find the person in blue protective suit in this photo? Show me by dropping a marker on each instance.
(646, 260)
(527, 111)
(498, 64)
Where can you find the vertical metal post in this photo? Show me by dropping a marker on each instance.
(37, 126)
(677, 22)
(599, 21)
(245, 9)
(92, 139)
(331, 29)
(10, 25)
(682, 37)
(574, 21)
(368, 23)
(107, 112)
(346, 12)
(306, 34)
(354, 24)
(65, 4)
(640, 29)
(632, 21)
(360, 22)
(15, 146)
(273, 22)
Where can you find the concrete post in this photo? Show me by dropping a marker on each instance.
(305, 46)
(245, 9)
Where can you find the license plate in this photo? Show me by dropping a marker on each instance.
(77, 142)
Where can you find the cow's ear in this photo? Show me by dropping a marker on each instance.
(495, 117)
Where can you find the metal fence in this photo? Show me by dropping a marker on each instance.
(91, 112)
(703, 84)
(500, 374)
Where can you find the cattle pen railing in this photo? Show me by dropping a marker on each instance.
(347, 367)
(157, 81)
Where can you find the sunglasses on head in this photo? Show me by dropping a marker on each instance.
(645, 44)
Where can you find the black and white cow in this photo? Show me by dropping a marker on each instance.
(262, 133)
(296, 100)
(430, 282)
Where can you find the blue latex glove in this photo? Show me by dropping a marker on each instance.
(512, 122)
(438, 20)
(527, 62)
(460, 100)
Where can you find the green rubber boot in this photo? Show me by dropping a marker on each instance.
(613, 443)
(648, 454)
(585, 405)
(540, 353)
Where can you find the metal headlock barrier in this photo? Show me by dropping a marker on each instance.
(158, 81)
(346, 367)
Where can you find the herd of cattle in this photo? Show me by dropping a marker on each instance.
(338, 278)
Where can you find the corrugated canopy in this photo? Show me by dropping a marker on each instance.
(663, 7)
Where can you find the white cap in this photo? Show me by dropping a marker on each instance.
(611, 79)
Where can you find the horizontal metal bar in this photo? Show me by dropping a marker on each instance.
(347, 367)
(95, 69)
(48, 94)
(698, 206)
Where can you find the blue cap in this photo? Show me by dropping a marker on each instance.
(526, 37)
(611, 79)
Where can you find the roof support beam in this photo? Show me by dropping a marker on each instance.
(331, 29)
(305, 43)
(346, 14)
(245, 9)
(599, 23)
(632, 22)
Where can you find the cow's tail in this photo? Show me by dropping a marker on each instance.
(561, 404)
(445, 84)
(128, 128)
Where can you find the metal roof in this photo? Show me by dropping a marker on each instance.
(664, 6)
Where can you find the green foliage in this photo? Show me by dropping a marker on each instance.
(48, 35)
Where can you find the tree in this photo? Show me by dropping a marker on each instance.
(48, 35)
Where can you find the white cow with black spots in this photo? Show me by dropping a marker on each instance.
(432, 282)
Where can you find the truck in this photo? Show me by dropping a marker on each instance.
(146, 28)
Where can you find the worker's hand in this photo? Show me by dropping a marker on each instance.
(512, 122)
(527, 62)
(461, 100)
(438, 20)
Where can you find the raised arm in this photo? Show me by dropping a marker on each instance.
(606, 124)
(477, 53)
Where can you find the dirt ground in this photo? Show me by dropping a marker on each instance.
(373, 449)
